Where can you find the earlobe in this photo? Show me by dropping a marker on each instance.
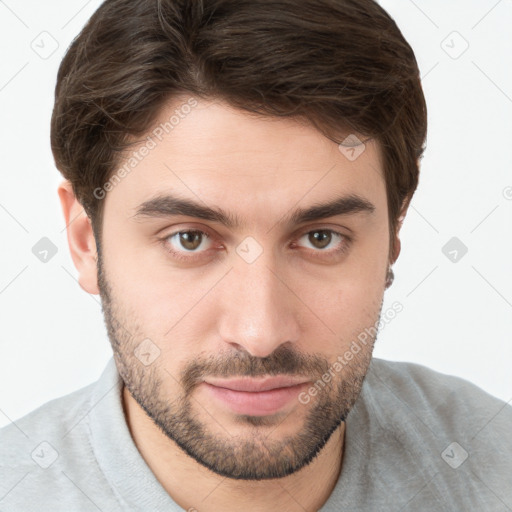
(81, 242)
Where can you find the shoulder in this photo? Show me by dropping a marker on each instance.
(431, 438)
(451, 425)
(444, 399)
(47, 458)
(25, 438)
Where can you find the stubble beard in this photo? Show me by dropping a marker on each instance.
(260, 454)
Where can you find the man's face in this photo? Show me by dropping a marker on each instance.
(218, 327)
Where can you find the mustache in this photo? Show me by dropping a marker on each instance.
(283, 361)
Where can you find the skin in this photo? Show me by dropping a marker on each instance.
(296, 304)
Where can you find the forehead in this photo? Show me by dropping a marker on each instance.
(211, 152)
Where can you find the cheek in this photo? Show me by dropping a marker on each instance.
(353, 289)
(351, 308)
(176, 312)
(345, 304)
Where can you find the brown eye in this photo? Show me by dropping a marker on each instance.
(325, 242)
(190, 240)
(320, 239)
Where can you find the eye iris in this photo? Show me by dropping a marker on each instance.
(320, 239)
(190, 239)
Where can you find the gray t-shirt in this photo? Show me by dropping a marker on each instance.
(415, 440)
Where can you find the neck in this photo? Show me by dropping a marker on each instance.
(194, 487)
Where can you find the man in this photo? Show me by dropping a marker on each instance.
(236, 176)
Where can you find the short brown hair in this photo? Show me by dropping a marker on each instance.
(337, 64)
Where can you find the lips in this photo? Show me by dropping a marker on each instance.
(252, 385)
(255, 397)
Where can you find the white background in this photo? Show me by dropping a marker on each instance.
(456, 318)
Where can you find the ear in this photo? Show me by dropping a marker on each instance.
(398, 243)
(82, 244)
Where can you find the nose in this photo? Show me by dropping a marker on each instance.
(259, 312)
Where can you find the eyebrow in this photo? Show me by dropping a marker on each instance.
(170, 206)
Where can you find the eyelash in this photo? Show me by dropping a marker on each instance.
(179, 255)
